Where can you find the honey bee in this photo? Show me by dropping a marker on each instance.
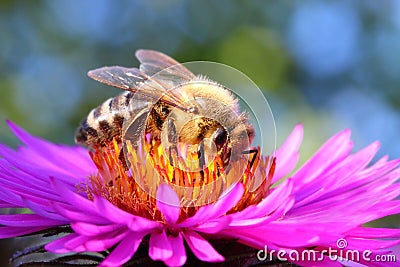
(163, 98)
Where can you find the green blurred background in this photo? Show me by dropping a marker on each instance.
(327, 64)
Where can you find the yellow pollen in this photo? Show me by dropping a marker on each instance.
(129, 177)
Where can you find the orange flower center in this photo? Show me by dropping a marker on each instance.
(129, 179)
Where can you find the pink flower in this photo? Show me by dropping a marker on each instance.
(328, 199)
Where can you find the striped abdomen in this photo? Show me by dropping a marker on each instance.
(104, 122)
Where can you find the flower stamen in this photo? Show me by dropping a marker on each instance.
(132, 186)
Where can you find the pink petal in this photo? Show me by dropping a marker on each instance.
(30, 164)
(280, 212)
(213, 227)
(27, 190)
(80, 216)
(12, 231)
(124, 251)
(89, 229)
(74, 159)
(57, 246)
(77, 244)
(26, 220)
(7, 206)
(337, 178)
(11, 198)
(364, 232)
(281, 234)
(116, 215)
(322, 260)
(212, 211)
(71, 197)
(288, 154)
(160, 247)
(268, 204)
(332, 152)
(201, 248)
(178, 257)
(30, 184)
(168, 203)
(371, 244)
(105, 241)
(44, 211)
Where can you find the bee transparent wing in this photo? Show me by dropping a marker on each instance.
(147, 80)
(162, 66)
(124, 78)
(132, 79)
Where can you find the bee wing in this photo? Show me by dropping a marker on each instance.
(153, 62)
(134, 80)
(157, 75)
(124, 78)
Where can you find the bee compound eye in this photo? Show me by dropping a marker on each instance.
(220, 137)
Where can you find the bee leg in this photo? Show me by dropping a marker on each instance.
(172, 139)
(172, 152)
(254, 153)
(121, 157)
(202, 160)
(172, 134)
(201, 155)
